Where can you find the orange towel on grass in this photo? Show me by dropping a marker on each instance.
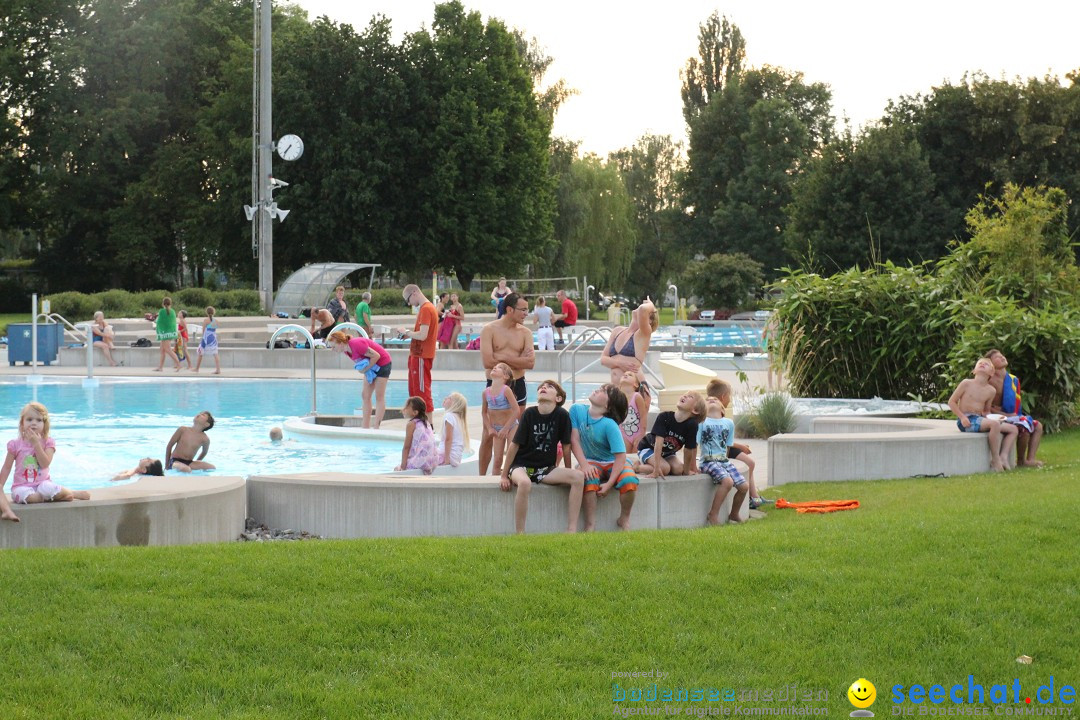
(818, 506)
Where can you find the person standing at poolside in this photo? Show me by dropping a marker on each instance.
(567, 315)
(165, 325)
(422, 347)
(363, 313)
(545, 335)
(337, 307)
(507, 340)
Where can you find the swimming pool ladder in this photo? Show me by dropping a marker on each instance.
(579, 341)
(293, 327)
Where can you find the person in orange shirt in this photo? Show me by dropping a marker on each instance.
(422, 348)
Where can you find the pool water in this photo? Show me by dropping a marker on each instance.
(733, 335)
(100, 431)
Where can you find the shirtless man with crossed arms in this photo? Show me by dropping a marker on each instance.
(508, 341)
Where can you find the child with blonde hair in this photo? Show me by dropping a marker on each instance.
(419, 451)
(454, 437)
(673, 431)
(721, 390)
(30, 455)
(499, 412)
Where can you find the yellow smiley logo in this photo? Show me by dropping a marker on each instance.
(862, 693)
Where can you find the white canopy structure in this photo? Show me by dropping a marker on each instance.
(312, 285)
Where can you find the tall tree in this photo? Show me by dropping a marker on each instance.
(751, 133)
(865, 200)
(484, 199)
(651, 169)
(595, 223)
(721, 53)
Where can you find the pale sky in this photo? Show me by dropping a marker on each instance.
(624, 58)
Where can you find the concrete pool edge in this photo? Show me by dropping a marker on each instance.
(171, 510)
(348, 505)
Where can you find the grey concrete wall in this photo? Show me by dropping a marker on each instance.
(846, 448)
(348, 506)
(547, 362)
(168, 510)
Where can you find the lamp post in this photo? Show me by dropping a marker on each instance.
(587, 289)
(675, 308)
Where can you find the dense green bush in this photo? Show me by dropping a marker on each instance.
(864, 333)
(1043, 349)
(899, 332)
(236, 302)
(193, 299)
(76, 306)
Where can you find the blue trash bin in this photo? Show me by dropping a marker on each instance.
(20, 345)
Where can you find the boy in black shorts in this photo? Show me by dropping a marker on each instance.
(531, 455)
(720, 390)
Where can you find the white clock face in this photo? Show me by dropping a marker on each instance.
(290, 147)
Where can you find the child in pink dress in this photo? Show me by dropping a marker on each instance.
(30, 455)
(419, 451)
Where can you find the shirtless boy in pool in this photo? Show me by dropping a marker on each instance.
(180, 454)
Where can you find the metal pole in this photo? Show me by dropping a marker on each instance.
(33, 377)
(265, 170)
(89, 380)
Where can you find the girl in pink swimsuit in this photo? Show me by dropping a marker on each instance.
(500, 413)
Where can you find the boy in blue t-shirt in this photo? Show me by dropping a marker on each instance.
(600, 450)
(713, 438)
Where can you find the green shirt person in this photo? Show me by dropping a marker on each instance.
(363, 313)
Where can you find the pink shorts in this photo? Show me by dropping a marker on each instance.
(45, 488)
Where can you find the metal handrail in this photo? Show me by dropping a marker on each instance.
(573, 346)
(54, 317)
(577, 342)
(311, 348)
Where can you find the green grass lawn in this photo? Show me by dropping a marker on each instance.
(6, 318)
(929, 582)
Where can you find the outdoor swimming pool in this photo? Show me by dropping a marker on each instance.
(102, 430)
(728, 335)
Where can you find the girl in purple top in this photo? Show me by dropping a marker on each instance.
(370, 358)
(30, 455)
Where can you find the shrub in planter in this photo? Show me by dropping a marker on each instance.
(237, 302)
(193, 299)
(74, 306)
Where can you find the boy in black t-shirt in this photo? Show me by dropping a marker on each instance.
(531, 457)
(673, 431)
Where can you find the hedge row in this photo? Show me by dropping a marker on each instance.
(388, 301)
(77, 306)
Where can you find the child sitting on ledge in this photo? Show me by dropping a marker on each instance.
(971, 401)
